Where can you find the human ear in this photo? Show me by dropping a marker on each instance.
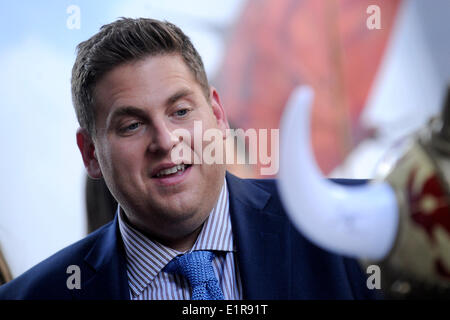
(87, 149)
(218, 111)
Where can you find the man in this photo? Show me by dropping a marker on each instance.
(183, 229)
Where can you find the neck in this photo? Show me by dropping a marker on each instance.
(183, 243)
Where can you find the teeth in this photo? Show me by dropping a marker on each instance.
(172, 170)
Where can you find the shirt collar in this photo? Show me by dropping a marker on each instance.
(146, 257)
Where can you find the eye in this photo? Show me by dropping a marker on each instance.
(132, 127)
(181, 112)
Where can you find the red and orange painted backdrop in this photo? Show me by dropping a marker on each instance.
(278, 45)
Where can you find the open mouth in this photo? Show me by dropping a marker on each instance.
(173, 171)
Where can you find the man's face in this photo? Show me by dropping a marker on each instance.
(139, 105)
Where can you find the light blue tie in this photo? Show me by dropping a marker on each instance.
(197, 268)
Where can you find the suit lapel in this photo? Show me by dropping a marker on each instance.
(105, 276)
(260, 233)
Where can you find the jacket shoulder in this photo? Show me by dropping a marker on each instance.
(47, 279)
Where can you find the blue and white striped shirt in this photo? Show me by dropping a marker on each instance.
(146, 258)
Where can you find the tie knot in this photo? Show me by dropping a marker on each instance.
(197, 268)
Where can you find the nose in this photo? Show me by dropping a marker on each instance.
(162, 140)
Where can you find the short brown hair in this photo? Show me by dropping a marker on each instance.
(123, 41)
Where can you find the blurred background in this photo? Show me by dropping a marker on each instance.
(379, 70)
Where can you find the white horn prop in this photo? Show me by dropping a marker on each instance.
(356, 221)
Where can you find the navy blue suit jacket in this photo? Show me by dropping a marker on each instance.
(275, 260)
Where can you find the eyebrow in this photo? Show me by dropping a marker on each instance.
(178, 95)
(139, 113)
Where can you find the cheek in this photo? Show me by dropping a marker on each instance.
(123, 158)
